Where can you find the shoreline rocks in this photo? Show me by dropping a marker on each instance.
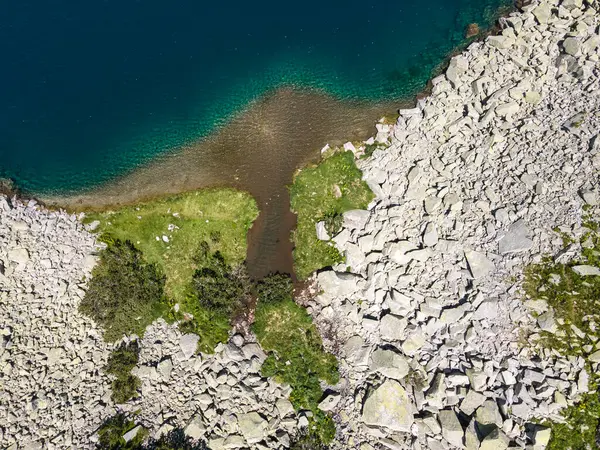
(470, 187)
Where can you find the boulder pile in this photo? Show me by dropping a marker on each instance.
(426, 313)
(54, 391)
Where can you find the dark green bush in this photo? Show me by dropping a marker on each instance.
(123, 359)
(275, 288)
(218, 286)
(126, 294)
(120, 364)
(174, 440)
(111, 434)
(112, 431)
(320, 429)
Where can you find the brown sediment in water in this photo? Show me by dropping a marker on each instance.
(258, 151)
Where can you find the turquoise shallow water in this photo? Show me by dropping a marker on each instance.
(90, 90)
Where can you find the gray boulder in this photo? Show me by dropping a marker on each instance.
(252, 427)
(479, 265)
(389, 363)
(516, 239)
(390, 407)
(452, 430)
(585, 270)
(189, 344)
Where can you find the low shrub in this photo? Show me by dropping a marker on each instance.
(275, 288)
(125, 294)
(110, 434)
(307, 440)
(174, 440)
(112, 431)
(120, 364)
(333, 223)
(217, 292)
(219, 287)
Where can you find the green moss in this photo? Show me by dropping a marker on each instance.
(575, 300)
(126, 293)
(112, 431)
(121, 362)
(296, 357)
(370, 149)
(221, 217)
(329, 189)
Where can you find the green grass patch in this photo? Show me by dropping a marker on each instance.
(219, 292)
(575, 300)
(125, 294)
(121, 362)
(318, 193)
(220, 217)
(296, 357)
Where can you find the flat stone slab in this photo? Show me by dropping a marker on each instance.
(585, 270)
(479, 265)
(252, 426)
(389, 406)
(189, 344)
(516, 239)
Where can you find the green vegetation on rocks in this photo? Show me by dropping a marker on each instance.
(305, 440)
(121, 362)
(321, 193)
(172, 233)
(574, 298)
(111, 437)
(580, 430)
(126, 294)
(110, 434)
(575, 301)
(296, 356)
(219, 216)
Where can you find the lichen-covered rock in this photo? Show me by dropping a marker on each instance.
(389, 406)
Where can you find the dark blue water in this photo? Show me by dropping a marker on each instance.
(91, 89)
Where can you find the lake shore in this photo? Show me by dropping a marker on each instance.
(257, 152)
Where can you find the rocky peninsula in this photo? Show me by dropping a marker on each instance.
(439, 343)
